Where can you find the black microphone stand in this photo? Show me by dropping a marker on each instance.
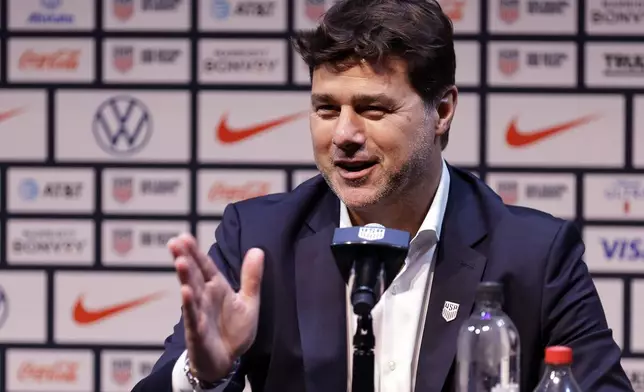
(376, 255)
(363, 356)
(364, 296)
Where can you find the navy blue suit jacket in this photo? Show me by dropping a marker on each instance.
(301, 343)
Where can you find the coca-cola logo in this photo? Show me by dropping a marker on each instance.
(59, 371)
(65, 59)
(221, 191)
(454, 9)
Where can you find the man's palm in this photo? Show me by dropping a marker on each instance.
(220, 324)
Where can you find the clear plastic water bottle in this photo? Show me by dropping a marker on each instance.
(488, 346)
(558, 374)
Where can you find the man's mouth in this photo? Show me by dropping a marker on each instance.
(355, 166)
(353, 170)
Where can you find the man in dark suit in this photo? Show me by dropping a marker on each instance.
(269, 303)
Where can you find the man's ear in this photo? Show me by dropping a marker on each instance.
(445, 110)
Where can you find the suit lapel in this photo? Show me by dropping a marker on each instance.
(458, 270)
(321, 302)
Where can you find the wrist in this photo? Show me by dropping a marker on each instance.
(196, 381)
(210, 380)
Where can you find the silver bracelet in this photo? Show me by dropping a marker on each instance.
(194, 381)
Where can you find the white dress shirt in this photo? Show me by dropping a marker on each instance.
(399, 315)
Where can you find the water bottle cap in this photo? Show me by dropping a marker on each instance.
(490, 291)
(558, 355)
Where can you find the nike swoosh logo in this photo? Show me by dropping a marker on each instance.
(85, 316)
(517, 138)
(228, 135)
(4, 116)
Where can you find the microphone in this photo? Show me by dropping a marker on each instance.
(376, 253)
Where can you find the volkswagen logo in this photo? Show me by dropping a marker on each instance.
(50, 4)
(122, 126)
(4, 307)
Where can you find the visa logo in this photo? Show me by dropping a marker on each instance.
(623, 249)
(625, 189)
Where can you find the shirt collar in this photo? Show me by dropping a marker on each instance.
(430, 228)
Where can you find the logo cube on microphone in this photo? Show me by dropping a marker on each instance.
(371, 233)
(370, 251)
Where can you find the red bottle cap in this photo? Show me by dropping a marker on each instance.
(558, 355)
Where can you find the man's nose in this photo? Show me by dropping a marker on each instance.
(348, 133)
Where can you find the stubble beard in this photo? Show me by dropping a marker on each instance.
(399, 184)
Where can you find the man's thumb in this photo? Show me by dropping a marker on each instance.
(251, 273)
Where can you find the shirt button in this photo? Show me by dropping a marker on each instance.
(394, 289)
(392, 365)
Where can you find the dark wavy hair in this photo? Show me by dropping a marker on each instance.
(417, 31)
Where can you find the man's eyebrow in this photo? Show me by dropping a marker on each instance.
(368, 99)
(357, 100)
(317, 99)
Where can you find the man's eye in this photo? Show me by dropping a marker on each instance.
(375, 109)
(326, 109)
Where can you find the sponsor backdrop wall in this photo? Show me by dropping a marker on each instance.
(125, 122)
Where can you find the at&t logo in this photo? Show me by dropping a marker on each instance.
(220, 9)
(29, 189)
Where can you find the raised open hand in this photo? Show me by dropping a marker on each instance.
(220, 324)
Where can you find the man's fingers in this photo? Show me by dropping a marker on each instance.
(186, 245)
(186, 267)
(251, 273)
(175, 247)
(205, 264)
(190, 311)
(190, 275)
